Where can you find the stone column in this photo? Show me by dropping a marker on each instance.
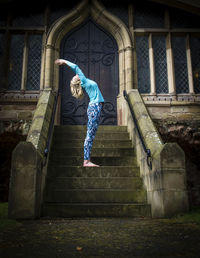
(49, 62)
(25, 186)
(152, 66)
(189, 65)
(129, 67)
(25, 64)
(170, 67)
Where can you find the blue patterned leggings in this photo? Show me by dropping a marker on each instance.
(93, 113)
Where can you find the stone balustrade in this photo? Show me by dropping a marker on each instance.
(166, 182)
(27, 172)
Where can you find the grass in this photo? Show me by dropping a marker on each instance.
(6, 223)
(192, 216)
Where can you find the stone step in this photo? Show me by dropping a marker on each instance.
(98, 143)
(69, 210)
(70, 128)
(62, 183)
(96, 196)
(101, 172)
(99, 135)
(96, 152)
(102, 161)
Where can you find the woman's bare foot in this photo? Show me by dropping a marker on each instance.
(88, 163)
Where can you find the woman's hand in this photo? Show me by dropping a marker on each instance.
(60, 61)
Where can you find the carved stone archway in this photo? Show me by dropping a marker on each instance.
(101, 16)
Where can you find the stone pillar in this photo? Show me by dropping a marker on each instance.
(49, 56)
(152, 66)
(165, 183)
(167, 187)
(25, 192)
(189, 65)
(27, 175)
(170, 67)
(129, 68)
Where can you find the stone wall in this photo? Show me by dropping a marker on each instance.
(16, 117)
(165, 180)
(187, 135)
(180, 123)
(15, 122)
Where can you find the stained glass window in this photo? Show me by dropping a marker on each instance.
(159, 46)
(142, 51)
(15, 62)
(180, 64)
(195, 53)
(34, 62)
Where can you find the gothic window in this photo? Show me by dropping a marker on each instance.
(32, 62)
(195, 54)
(142, 51)
(159, 46)
(180, 64)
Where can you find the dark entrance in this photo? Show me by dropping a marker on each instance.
(96, 53)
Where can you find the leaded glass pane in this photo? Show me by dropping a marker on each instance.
(34, 62)
(181, 19)
(159, 46)
(180, 64)
(15, 62)
(148, 15)
(142, 51)
(195, 53)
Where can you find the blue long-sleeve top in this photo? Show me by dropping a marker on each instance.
(90, 86)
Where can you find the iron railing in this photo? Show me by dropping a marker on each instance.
(147, 151)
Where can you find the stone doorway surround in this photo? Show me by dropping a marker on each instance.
(109, 22)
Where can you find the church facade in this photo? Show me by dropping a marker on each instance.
(152, 46)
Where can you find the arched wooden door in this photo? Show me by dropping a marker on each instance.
(96, 53)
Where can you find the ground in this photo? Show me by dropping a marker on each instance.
(103, 237)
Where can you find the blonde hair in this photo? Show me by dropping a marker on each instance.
(76, 88)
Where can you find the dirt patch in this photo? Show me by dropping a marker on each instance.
(101, 238)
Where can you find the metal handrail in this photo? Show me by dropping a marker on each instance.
(46, 151)
(147, 151)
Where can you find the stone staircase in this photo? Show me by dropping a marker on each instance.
(114, 189)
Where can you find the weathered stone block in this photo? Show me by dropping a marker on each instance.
(172, 156)
(24, 194)
(172, 180)
(175, 202)
(25, 115)
(41, 110)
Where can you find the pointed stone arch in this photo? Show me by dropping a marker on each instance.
(101, 16)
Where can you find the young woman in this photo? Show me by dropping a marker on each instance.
(94, 107)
